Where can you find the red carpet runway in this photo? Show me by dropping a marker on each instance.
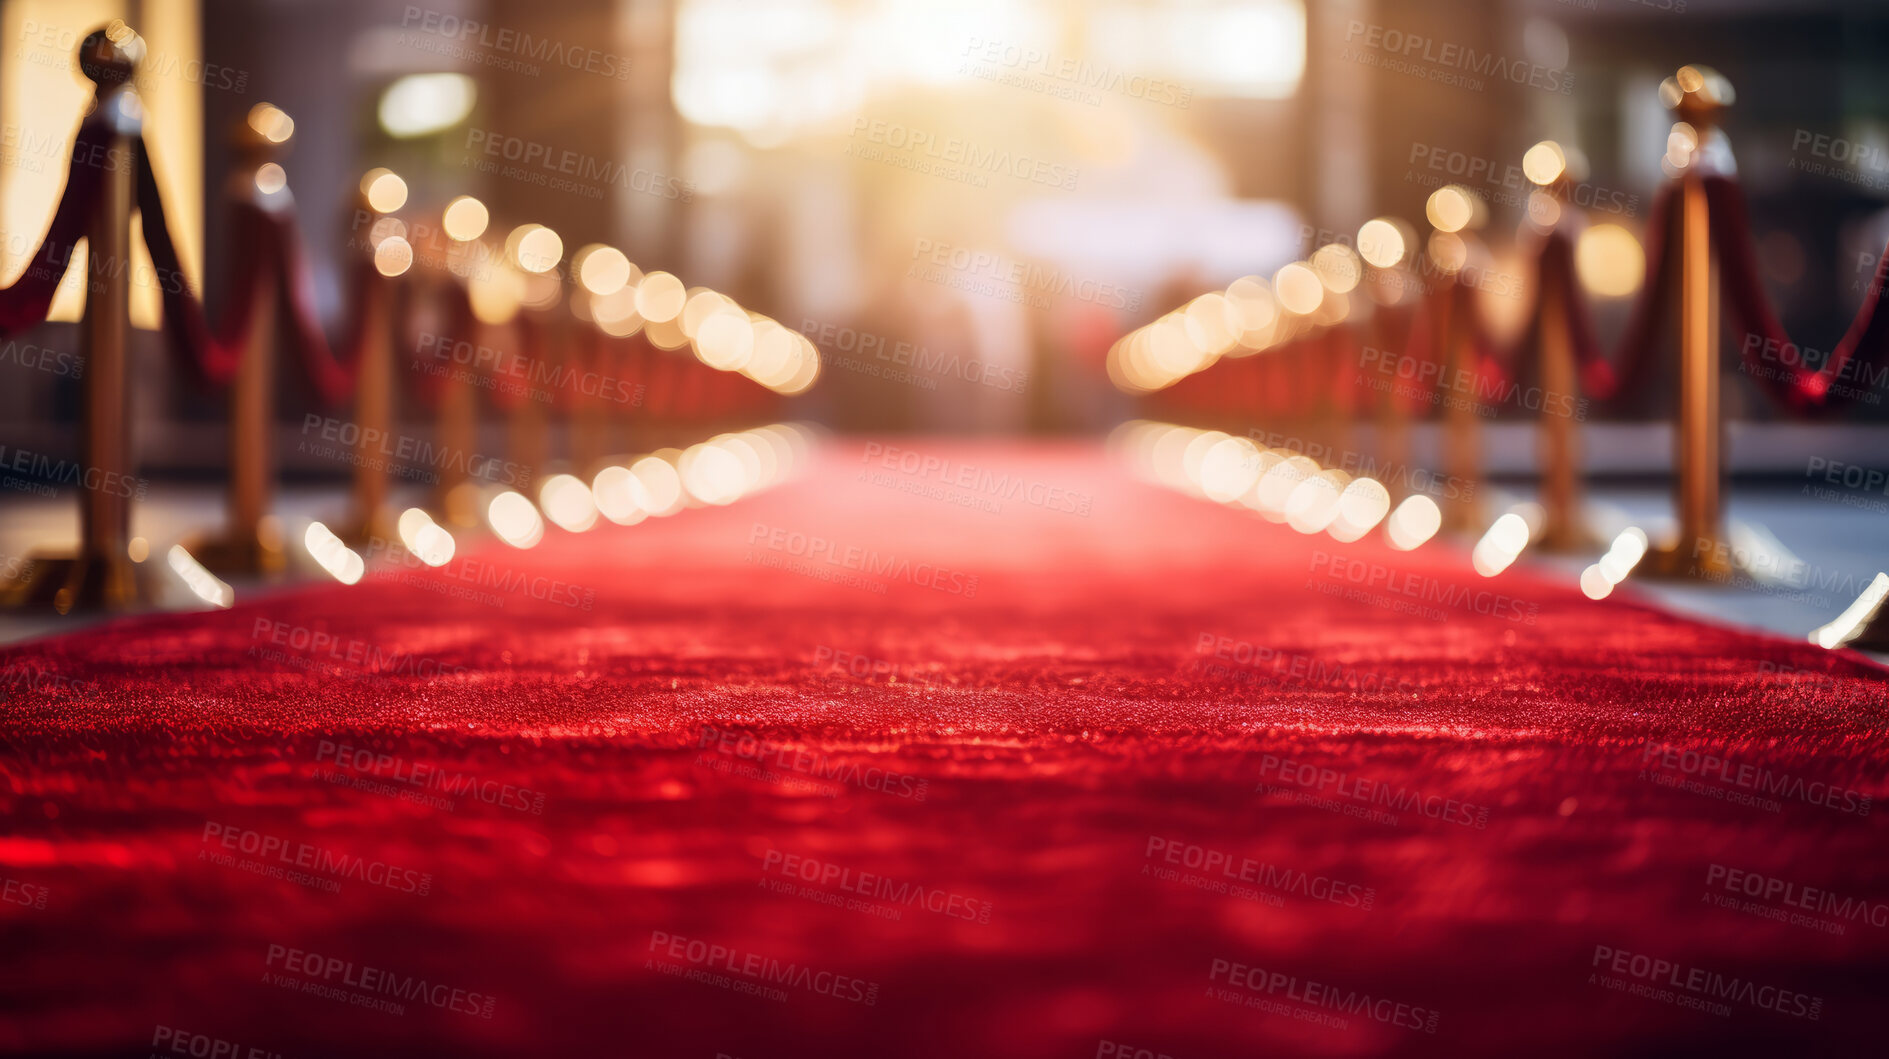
(1009, 757)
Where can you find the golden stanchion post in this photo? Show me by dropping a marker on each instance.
(1563, 528)
(1452, 211)
(101, 574)
(467, 260)
(371, 518)
(252, 540)
(1696, 95)
(536, 251)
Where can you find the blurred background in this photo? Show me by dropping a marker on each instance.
(962, 203)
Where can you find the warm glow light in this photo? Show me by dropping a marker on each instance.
(393, 256)
(1277, 485)
(1338, 267)
(1854, 617)
(1361, 507)
(1298, 288)
(1415, 521)
(1544, 163)
(1450, 208)
(271, 178)
(1253, 305)
(712, 474)
(422, 104)
(1595, 584)
(1610, 261)
(660, 297)
(271, 122)
(1500, 545)
(138, 549)
(661, 485)
(341, 562)
(384, 189)
(725, 341)
(1229, 469)
(514, 520)
(535, 248)
(202, 583)
(619, 496)
(1313, 503)
(465, 218)
(425, 538)
(566, 501)
(1624, 554)
(1381, 242)
(603, 270)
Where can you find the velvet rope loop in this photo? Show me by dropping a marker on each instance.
(27, 301)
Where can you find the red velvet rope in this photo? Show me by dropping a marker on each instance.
(332, 377)
(269, 248)
(1797, 386)
(27, 301)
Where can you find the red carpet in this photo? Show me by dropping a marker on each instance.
(957, 782)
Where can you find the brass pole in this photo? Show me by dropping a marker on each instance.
(101, 572)
(1698, 443)
(373, 414)
(1462, 433)
(1562, 529)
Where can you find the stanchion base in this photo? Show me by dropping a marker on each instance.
(254, 554)
(65, 583)
(1707, 561)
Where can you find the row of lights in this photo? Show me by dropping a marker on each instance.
(1291, 488)
(1279, 485)
(712, 473)
(1253, 315)
(609, 290)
